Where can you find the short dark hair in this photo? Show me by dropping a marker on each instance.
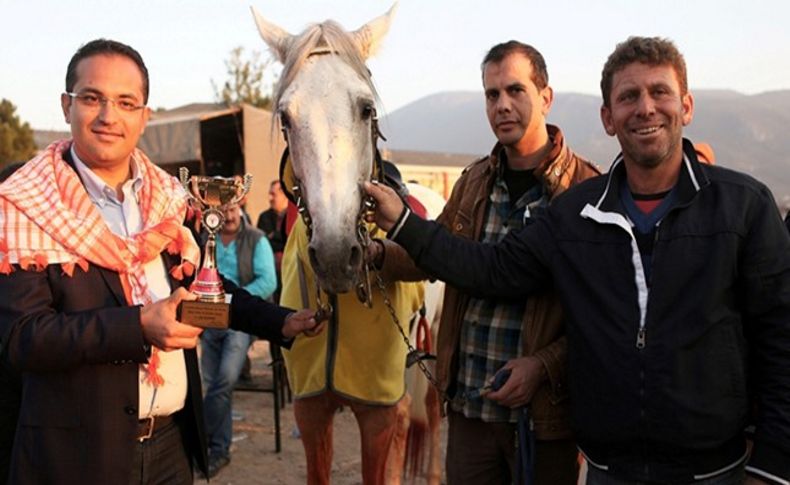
(653, 51)
(105, 47)
(540, 76)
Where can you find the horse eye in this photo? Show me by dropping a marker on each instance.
(368, 111)
(285, 120)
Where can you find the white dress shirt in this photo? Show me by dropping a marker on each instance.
(124, 219)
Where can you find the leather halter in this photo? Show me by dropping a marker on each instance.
(293, 191)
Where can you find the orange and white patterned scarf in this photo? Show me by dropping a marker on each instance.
(46, 217)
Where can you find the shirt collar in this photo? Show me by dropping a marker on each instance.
(555, 138)
(98, 190)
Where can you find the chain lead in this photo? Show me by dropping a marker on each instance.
(323, 310)
(409, 346)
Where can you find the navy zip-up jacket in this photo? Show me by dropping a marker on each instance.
(663, 374)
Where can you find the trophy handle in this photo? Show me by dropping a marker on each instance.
(242, 189)
(213, 195)
(183, 175)
(190, 184)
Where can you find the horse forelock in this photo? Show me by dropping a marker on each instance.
(329, 36)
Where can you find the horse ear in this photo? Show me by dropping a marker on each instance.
(369, 36)
(275, 37)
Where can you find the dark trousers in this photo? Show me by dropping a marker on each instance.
(162, 459)
(481, 453)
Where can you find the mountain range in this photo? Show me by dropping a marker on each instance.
(748, 133)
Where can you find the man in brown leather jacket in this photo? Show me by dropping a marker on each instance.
(527, 168)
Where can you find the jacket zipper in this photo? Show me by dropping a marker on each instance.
(641, 333)
(640, 338)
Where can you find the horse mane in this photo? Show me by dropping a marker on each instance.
(326, 36)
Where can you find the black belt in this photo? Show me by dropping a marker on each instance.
(147, 427)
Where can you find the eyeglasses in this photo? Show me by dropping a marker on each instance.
(93, 101)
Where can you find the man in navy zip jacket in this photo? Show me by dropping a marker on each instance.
(675, 280)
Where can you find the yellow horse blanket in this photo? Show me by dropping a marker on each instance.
(363, 357)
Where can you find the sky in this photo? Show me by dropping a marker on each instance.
(432, 46)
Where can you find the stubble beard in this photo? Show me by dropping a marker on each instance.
(652, 157)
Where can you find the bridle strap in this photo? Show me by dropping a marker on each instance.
(292, 188)
(283, 162)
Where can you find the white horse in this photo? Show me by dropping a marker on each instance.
(326, 105)
(425, 405)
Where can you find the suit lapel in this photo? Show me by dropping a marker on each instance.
(113, 281)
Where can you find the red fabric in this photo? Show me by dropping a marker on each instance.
(290, 217)
(424, 341)
(647, 206)
(417, 207)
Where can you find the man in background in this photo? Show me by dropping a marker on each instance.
(244, 257)
(271, 222)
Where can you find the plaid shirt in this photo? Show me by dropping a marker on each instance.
(491, 329)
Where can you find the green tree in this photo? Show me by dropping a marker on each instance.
(16, 138)
(246, 80)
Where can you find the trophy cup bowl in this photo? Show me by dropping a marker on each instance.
(211, 195)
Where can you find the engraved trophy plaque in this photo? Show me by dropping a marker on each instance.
(211, 195)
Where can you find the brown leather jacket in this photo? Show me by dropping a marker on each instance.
(543, 335)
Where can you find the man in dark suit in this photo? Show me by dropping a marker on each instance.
(92, 245)
(10, 386)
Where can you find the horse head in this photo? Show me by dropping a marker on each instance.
(325, 103)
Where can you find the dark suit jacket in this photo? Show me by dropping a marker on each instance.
(78, 345)
(10, 392)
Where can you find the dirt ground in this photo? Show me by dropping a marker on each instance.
(253, 457)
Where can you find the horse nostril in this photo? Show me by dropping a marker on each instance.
(356, 257)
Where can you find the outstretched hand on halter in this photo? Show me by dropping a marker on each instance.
(389, 206)
(302, 321)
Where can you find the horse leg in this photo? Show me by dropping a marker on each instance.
(397, 455)
(378, 426)
(314, 416)
(432, 405)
